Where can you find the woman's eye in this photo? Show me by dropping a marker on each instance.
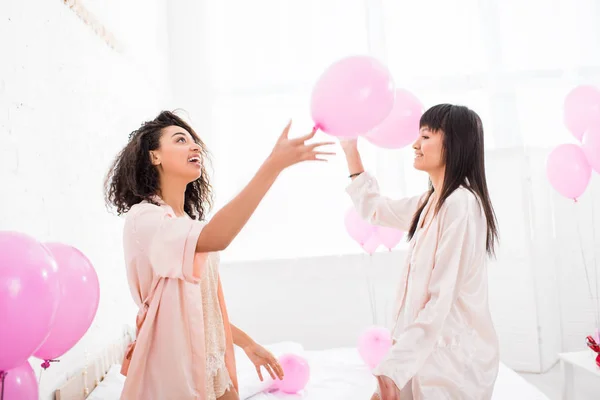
(181, 139)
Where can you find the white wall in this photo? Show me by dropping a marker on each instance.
(67, 104)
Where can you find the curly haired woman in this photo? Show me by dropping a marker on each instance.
(184, 346)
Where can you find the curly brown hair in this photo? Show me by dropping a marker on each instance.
(132, 178)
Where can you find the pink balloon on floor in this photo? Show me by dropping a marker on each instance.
(591, 147)
(372, 244)
(374, 344)
(80, 294)
(296, 374)
(352, 96)
(29, 297)
(358, 229)
(401, 127)
(389, 237)
(568, 170)
(20, 383)
(582, 109)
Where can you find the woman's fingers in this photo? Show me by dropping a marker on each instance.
(313, 146)
(277, 368)
(302, 139)
(270, 370)
(259, 372)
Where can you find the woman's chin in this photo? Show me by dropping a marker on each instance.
(418, 165)
(193, 177)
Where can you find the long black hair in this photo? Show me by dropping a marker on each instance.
(132, 178)
(463, 154)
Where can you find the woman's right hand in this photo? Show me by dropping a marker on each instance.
(288, 152)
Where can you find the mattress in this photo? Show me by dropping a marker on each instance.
(334, 374)
(341, 374)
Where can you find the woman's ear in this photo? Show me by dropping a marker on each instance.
(154, 158)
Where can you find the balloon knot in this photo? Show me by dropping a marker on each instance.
(46, 363)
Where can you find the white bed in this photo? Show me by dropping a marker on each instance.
(335, 374)
(340, 374)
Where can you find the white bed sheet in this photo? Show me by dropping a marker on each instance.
(337, 374)
(341, 374)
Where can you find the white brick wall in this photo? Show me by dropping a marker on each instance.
(67, 105)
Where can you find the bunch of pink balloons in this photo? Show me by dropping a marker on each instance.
(569, 166)
(368, 236)
(374, 344)
(356, 96)
(48, 298)
(296, 373)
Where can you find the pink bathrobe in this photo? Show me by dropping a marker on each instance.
(445, 344)
(169, 358)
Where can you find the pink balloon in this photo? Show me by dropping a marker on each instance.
(352, 96)
(568, 170)
(358, 229)
(29, 296)
(371, 245)
(374, 344)
(401, 127)
(389, 237)
(296, 373)
(20, 383)
(582, 109)
(80, 293)
(591, 147)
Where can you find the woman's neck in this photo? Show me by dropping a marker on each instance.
(437, 179)
(173, 194)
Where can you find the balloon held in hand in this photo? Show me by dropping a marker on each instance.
(352, 96)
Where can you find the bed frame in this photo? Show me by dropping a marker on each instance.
(80, 385)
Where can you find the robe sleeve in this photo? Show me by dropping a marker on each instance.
(171, 243)
(380, 210)
(456, 248)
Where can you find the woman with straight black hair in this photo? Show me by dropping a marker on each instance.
(444, 342)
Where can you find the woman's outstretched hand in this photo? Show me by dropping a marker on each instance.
(288, 152)
(263, 358)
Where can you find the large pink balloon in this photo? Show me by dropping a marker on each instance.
(591, 147)
(20, 383)
(352, 96)
(374, 344)
(80, 293)
(401, 127)
(29, 296)
(389, 237)
(358, 229)
(568, 170)
(582, 109)
(296, 373)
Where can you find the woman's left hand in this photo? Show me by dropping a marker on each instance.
(387, 388)
(262, 357)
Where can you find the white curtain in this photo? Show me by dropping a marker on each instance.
(511, 61)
